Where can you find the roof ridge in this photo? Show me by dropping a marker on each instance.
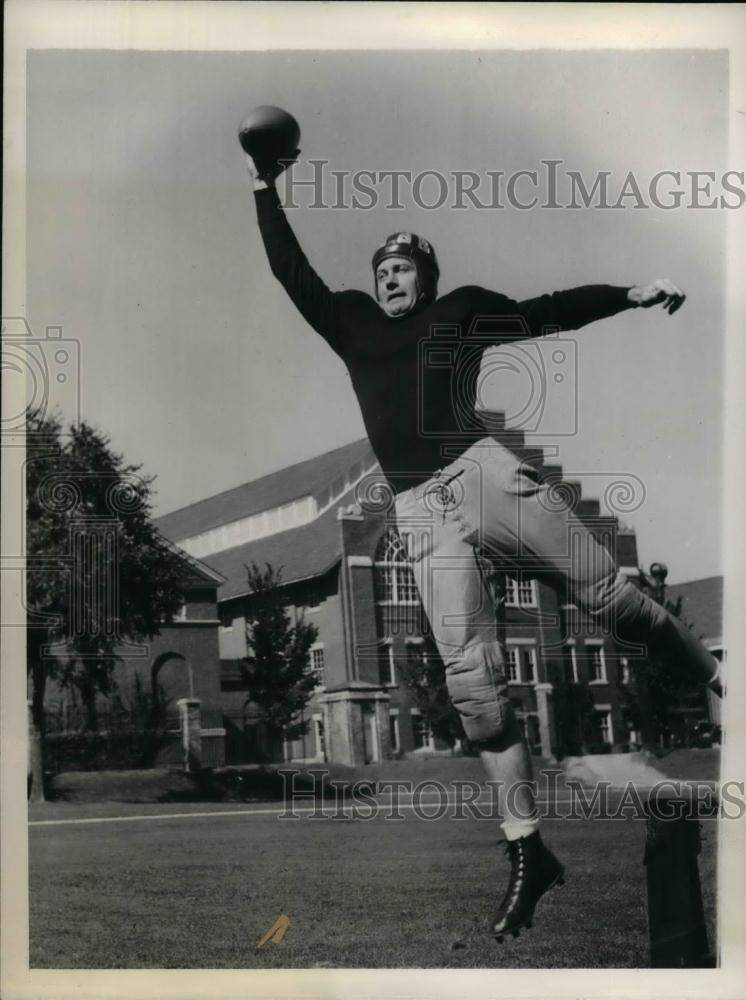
(267, 475)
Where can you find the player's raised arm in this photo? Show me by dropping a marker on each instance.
(572, 309)
(287, 261)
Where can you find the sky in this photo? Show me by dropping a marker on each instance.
(142, 246)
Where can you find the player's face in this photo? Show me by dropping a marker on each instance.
(396, 284)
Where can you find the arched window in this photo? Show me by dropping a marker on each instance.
(395, 584)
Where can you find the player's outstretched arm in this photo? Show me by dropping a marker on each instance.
(287, 261)
(577, 307)
(662, 291)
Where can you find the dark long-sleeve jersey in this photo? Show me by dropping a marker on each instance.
(416, 376)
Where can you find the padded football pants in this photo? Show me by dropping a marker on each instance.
(487, 509)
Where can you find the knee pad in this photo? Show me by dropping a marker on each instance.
(477, 687)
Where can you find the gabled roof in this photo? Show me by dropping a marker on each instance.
(280, 487)
(302, 552)
(702, 605)
(199, 570)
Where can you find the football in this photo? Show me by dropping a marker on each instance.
(269, 133)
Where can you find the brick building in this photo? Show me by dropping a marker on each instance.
(346, 569)
(182, 661)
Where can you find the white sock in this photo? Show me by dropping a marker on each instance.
(514, 829)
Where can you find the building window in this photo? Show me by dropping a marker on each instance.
(422, 737)
(317, 663)
(181, 614)
(387, 665)
(571, 664)
(514, 665)
(529, 659)
(522, 663)
(603, 718)
(597, 664)
(520, 593)
(394, 579)
(394, 730)
(318, 735)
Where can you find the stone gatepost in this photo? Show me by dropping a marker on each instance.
(383, 724)
(358, 730)
(547, 724)
(191, 732)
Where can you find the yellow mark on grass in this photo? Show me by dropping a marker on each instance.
(276, 932)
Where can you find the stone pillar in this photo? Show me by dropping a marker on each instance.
(350, 711)
(547, 723)
(338, 736)
(191, 733)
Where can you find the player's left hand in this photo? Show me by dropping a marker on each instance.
(660, 291)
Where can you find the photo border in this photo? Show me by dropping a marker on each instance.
(48, 24)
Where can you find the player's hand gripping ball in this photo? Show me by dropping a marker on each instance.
(270, 135)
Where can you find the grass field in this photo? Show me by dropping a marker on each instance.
(200, 891)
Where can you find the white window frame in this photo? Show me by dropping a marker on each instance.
(393, 561)
(513, 597)
(593, 645)
(318, 647)
(605, 711)
(181, 614)
(531, 659)
(513, 648)
(394, 730)
(391, 681)
(572, 646)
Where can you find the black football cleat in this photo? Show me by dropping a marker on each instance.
(533, 871)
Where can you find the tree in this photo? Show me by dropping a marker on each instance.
(99, 573)
(277, 668)
(425, 676)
